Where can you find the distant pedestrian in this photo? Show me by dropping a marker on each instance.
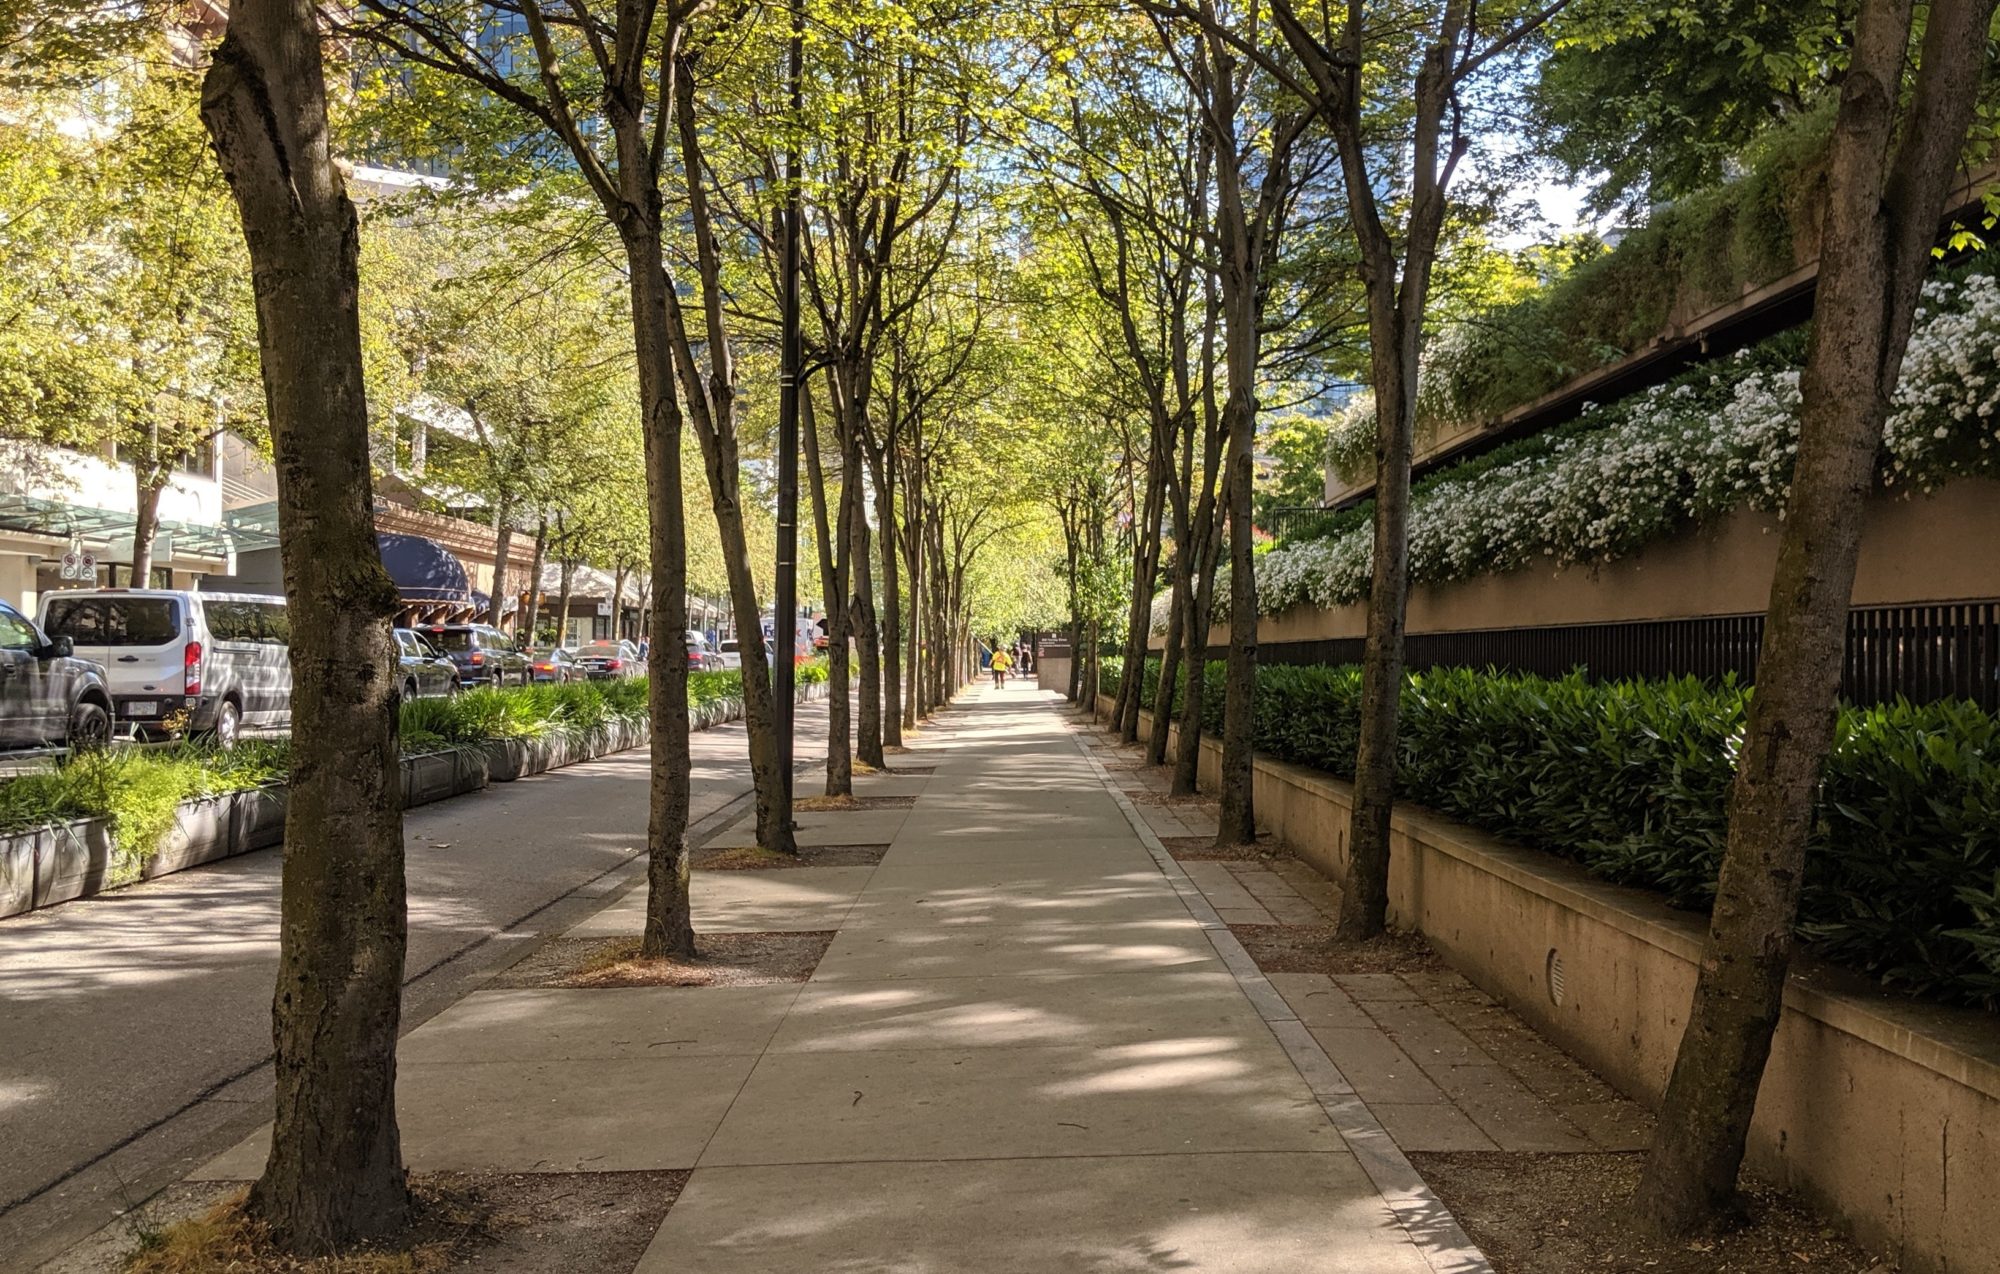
(1002, 661)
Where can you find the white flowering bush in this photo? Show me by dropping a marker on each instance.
(1627, 473)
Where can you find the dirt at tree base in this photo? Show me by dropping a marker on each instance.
(465, 1223)
(1203, 849)
(1315, 949)
(723, 959)
(1537, 1213)
(750, 858)
(835, 804)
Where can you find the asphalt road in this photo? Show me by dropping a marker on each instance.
(135, 1026)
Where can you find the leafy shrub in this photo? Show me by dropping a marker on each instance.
(1631, 779)
(138, 790)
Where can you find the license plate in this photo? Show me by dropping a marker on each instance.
(142, 709)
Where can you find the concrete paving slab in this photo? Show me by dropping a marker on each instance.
(554, 1025)
(958, 1013)
(1082, 903)
(1171, 1096)
(1241, 1213)
(994, 851)
(821, 827)
(1054, 947)
(596, 1115)
(791, 900)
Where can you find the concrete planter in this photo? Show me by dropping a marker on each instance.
(1881, 1110)
(260, 818)
(48, 865)
(429, 776)
(20, 866)
(76, 860)
(202, 833)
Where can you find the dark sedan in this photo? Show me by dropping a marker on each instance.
(606, 660)
(485, 656)
(47, 695)
(555, 664)
(427, 672)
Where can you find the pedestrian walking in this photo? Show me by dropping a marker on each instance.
(1002, 661)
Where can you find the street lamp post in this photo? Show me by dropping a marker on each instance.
(785, 612)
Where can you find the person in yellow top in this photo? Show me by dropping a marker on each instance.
(1002, 661)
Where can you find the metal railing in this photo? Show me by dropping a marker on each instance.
(1924, 653)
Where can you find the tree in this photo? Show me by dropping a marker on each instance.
(1897, 141)
(1419, 58)
(152, 268)
(335, 1175)
(611, 88)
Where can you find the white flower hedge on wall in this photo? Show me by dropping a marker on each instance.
(1625, 474)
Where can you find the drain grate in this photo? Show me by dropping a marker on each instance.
(1555, 975)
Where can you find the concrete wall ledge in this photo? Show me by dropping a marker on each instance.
(1881, 1109)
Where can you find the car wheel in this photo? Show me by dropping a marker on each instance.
(228, 725)
(89, 727)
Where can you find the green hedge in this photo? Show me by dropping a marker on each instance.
(1631, 780)
(139, 789)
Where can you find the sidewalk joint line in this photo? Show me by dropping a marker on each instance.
(1436, 1234)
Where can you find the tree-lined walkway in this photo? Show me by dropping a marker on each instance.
(138, 1021)
(1030, 1045)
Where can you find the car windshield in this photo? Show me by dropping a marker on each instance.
(602, 648)
(451, 638)
(543, 653)
(729, 648)
(115, 621)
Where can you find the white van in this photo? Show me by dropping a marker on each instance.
(208, 663)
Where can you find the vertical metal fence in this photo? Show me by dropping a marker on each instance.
(1946, 650)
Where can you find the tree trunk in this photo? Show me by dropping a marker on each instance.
(146, 524)
(335, 1174)
(1364, 896)
(1883, 205)
(565, 592)
(832, 542)
(669, 928)
(867, 637)
(1170, 662)
(524, 624)
(1194, 665)
(503, 550)
(892, 609)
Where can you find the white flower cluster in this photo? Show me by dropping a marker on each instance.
(1628, 473)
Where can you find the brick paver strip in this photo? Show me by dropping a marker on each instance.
(1436, 1233)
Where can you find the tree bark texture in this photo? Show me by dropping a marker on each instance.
(334, 1177)
(669, 927)
(1885, 197)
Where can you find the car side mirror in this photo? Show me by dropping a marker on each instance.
(57, 648)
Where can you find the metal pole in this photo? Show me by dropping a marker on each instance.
(785, 610)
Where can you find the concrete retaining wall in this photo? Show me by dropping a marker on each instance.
(1880, 1110)
(66, 861)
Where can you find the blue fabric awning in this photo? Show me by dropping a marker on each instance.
(424, 570)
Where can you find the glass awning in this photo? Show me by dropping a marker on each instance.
(239, 534)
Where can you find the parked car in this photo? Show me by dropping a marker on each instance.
(207, 663)
(485, 656)
(555, 664)
(702, 656)
(428, 673)
(48, 696)
(730, 652)
(609, 660)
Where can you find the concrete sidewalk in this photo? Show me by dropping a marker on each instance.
(1031, 1046)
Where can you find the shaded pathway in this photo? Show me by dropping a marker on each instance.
(1031, 1045)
